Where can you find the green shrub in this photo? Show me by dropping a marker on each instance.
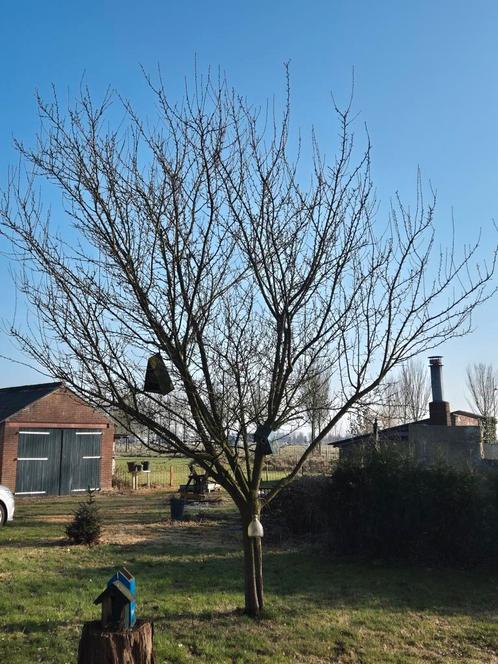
(85, 528)
(300, 510)
(388, 507)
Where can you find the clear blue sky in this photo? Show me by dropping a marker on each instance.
(426, 83)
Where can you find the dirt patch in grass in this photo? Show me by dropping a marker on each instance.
(192, 534)
(55, 518)
(126, 523)
(139, 518)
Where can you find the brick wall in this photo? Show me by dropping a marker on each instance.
(9, 455)
(458, 446)
(461, 420)
(60, 409)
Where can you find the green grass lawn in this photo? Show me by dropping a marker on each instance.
(189, 581)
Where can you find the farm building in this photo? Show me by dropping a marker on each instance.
(454, 437)
(52, 442)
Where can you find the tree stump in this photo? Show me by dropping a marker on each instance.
(130, 646)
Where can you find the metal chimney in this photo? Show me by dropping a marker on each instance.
(439, 410)
(436, 365)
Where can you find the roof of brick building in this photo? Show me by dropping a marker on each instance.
(14, 399)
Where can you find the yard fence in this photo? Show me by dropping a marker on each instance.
(171, 473)
(169, 476)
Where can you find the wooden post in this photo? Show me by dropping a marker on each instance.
(133, 646)
(171, 475)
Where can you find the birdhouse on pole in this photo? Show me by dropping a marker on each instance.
(118, 602)
(157, 378)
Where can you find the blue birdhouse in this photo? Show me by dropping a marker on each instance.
(118, 602)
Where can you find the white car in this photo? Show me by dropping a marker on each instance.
(6, 505)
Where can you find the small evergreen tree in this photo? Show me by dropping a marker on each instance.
(85, 528)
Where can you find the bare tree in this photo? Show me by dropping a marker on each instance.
(378, 410)
(398, 401)
(413, 391)
(482, 385)
(361, 420)
(316, 400)
(197, 236)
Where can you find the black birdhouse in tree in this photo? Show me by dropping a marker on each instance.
(116, 603)
(157, 378)
(262, 439)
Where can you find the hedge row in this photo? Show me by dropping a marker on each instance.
(387, 507)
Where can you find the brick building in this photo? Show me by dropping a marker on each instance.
(52, 442)
(454, 437)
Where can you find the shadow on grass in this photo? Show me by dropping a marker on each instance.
(173, 575)
(35, 627)
(38, 543)
(303, 580)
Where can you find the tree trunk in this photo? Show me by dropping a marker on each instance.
(130, 646)
(258, 571)
(253, 573)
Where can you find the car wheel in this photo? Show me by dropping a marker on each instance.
(3, 515)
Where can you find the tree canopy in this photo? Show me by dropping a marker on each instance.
(198, 237)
